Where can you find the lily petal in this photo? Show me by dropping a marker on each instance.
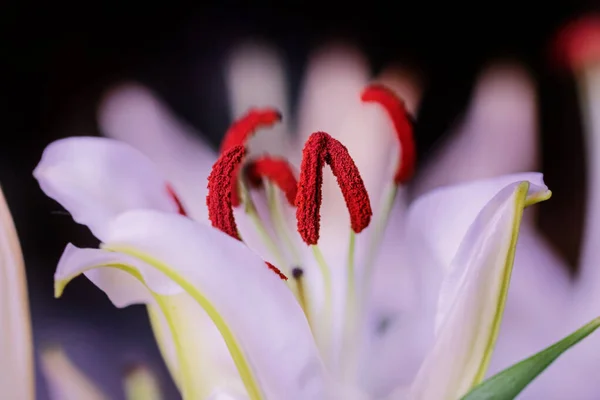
(335, 76)
(133, 114)
(270, 341)
(538, 302)
(16, 367)
(498, 134)
(256, 78)
(65, 381)
(473, 294)
(96, 179)
(226, 395)
(441, 218)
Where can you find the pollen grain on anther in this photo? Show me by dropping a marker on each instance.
(218, 200)
(321, 149)
(243, 128)
(276, 270)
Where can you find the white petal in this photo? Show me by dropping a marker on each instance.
(589, 275)
(96, 179)
(16, 362)
(406, 83)
(441, 218)
(472, 296)
(256, 78)
(334, 79)
(65, 381)
(133, 114)
(259, 317)
(498, 134)
(398, 334)
(220, 394)
(185, 324)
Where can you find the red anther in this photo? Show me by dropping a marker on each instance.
(175, 198)
(243, 128)
(276, 270)
(218, 200)
(321, 149)
(578, 43)
(278, 171)
(235, 194)
(402, 124)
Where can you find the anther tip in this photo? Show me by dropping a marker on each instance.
(578, 43)
(297, 272)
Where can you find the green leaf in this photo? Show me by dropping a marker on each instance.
(507, 384)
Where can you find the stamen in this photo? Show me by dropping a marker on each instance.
(218, 200)
(245, 127)
(238, 135)
(235, 191)
(175, 198)
(321, 148)
(402, 123)
(578, 43)
(276, 270)
(278, 171)
(297, 272)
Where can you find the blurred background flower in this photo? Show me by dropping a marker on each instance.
(61, 61)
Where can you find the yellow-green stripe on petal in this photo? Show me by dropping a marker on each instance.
(473, 295)
(255, 313)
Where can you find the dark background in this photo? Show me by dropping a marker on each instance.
(58, 59)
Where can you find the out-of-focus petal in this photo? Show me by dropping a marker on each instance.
(133, 114)
(16, 364)
(64, 380)
(141, 384)
(498, 134)
(256, 78)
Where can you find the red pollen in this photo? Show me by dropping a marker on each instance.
(278, 171)
(175, 198)
(321, 149)
(276, 270)
(235, 194)
(244, 127)
(218, 200)
(396, 109)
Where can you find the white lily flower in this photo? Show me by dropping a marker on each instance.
(230, 326)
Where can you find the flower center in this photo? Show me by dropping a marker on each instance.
(273, 182)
